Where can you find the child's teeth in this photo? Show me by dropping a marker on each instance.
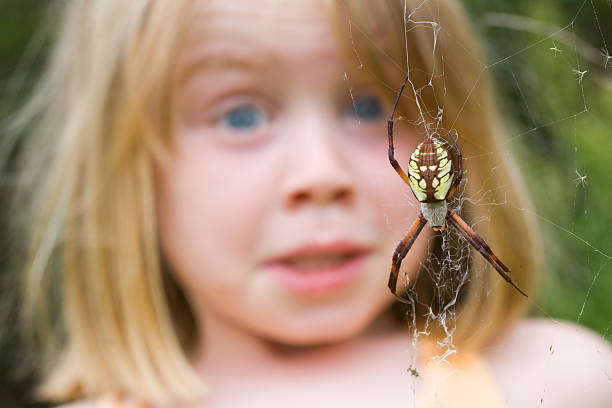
(317, 261)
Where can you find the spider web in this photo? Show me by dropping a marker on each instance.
(555, 82)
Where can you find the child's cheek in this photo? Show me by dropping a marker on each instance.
(209, 207)
(392, 201)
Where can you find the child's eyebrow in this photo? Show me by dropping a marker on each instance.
(228, 57)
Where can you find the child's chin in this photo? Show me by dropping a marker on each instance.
(316, 334)
(293, 343)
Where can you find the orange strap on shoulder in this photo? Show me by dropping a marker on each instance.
(465, 381)
(114, 400)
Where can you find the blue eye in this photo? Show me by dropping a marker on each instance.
(244, 118)
(368, 108)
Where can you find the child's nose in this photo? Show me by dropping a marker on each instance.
(318, 170)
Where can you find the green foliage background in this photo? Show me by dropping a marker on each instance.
(559, 128)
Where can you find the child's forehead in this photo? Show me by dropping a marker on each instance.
(259, 33)
(290, 19)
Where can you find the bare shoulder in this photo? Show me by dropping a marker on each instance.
(81, 404)
(553, 363)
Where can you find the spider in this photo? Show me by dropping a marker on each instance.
(433, 182)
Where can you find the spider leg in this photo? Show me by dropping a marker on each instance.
(401, 251)
(459, 173)
(482, 247)
(394, 162)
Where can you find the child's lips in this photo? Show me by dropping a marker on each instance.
(315, 269)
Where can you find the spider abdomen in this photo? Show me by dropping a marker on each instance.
(435, 214)
(430, 171)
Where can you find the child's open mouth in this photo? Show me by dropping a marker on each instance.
(317, 262)
(319, 269)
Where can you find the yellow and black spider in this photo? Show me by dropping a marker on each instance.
(433, 182)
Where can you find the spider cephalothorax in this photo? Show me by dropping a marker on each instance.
(433, 180)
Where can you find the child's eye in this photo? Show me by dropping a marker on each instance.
(244, 118)
(366, 108)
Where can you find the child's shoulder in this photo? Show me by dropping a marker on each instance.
(102, 402)
(560, 363)
(108, 400)
(90, 403)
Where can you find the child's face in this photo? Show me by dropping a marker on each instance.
(281, 212)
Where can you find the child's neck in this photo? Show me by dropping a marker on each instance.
(226, 348)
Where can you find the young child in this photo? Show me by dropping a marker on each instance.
(212, 215)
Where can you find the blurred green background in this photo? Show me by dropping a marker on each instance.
(552, 67)
(554, 77)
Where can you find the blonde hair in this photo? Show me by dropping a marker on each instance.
(98, 303)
